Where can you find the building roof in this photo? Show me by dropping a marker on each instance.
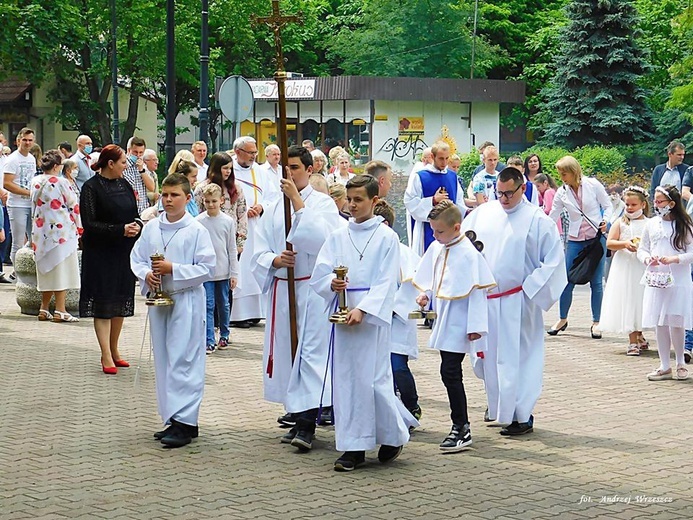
(416, 89)
(12, 89)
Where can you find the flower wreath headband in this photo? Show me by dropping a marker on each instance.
(640, 190)
(663, 192)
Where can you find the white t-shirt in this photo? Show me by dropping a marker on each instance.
(24, 169)
(485, 184)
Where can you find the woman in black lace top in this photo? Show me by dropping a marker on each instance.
(109, 210)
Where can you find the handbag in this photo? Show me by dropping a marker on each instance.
(586, 262)
(658, 279)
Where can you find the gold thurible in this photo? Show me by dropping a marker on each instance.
(341, 315)
(159, 298)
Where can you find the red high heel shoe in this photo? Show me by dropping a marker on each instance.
(121, 363)
(109, 370)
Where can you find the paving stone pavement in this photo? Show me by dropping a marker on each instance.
(76, 443)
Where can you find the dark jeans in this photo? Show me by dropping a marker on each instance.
(451, 374)
(5, 246)
(404, 381)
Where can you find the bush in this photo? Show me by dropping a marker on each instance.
(595, 160)
(469, 163)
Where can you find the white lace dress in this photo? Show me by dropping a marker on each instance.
(672, 306)
(622, 304)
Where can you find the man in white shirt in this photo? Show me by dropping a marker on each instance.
(199, 151)
(20, 168)
(484, 182)
(273, 156)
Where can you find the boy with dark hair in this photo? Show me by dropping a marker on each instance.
(367, 412)
(178, 330)
(456, 277)
(297, 383)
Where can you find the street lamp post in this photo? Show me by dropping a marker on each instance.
(114, 75)
(170, 83)
(204, 73)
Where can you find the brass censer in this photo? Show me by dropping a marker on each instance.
(159, 298)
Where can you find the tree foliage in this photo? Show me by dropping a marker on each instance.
(595, 97)
(408, 38)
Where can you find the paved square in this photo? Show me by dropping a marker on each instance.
(77, 443)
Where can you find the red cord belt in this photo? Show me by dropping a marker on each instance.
(514, 290)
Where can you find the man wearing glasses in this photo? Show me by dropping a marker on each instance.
(512, 228)
(259, 190)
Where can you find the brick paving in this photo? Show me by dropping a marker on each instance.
(77, 443)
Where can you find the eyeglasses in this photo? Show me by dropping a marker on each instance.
(507, 194)
(246, 151)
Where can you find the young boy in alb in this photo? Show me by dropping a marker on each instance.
(222, 230)
(178, 330)
(366, 410)
(299, 383)
(403, 341)
(456, 277)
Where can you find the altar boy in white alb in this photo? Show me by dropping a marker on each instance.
(298, 384)
(525, 253)
(177, 331)
(366, 409)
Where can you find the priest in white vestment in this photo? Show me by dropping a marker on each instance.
(299, 384)
(425, 189)
(259, 189)
(511, 230)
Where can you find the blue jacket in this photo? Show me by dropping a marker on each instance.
(658, 172)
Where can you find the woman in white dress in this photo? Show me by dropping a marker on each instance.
(624, 293)
(666, 249)
(55, 233)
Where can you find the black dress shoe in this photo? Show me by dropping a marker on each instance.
(305, 433)
(518, 428)
(180, 435)
(240, 324)
(194, 431)
(553, 332)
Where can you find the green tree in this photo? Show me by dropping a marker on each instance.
(595, 97)
(409, 38)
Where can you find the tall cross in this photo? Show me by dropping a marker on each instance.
(275, 22)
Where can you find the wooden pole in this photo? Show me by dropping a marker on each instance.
(280, 78)
(276, 21)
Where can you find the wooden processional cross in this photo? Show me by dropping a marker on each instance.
(276, 22)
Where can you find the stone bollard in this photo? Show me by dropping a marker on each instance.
(28, 297)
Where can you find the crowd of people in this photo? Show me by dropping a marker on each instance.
(213, 238)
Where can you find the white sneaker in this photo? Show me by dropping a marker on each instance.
(660, 375)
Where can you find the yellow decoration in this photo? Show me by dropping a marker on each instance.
(381, 117)
(445, 136)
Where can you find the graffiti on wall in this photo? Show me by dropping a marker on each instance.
(403, 147)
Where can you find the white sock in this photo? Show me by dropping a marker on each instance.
(664, 346)
(678, 335)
